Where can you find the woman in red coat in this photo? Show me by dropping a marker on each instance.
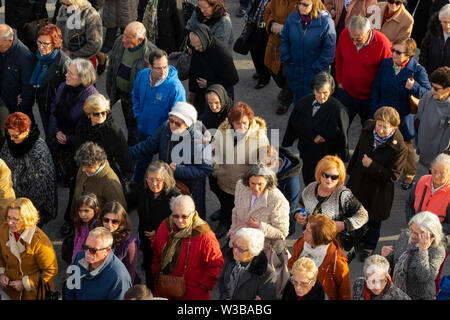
(184, 230)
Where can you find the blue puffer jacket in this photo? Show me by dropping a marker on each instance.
(307, 51)
(389, 90)
(151, 107)
(193, 170)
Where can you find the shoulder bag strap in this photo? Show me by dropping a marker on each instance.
(421, 200)
(167, 153)
(187, 254)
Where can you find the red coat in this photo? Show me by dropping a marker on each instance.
(356, 71)
(204, 264)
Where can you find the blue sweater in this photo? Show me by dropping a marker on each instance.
(151, 107)
(108, 282)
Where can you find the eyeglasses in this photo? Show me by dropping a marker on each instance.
(376, 283)
(43, 44)
(397, 52)
(396, 2)
(113, 221)
(203, 8)
(240, 249)
(436, 88)
(306, 5)
(160, 68)
(153, 180)
(331, 176)
(15, 220)
(183, 216)
(301, 284)
(438, 172)
(98, 114)
(14, 136)
(177, 123)
(358, 40)
(92, 250)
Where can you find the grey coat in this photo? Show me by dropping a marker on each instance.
(422, 270)
(119, 13)
(115, 56)
(393, 293)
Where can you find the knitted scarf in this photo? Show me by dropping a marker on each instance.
(401, 267)
(378, 141)
(151, 13)
(41, 67)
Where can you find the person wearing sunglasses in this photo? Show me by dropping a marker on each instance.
(101, 274)
(246, 274)
(126, 245)
(304, 284)
(375, 166)
(185, 246)
(396, 21)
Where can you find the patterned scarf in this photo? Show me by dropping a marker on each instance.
(401, 267)
(378, 141)
(236, 273)
(256, 16)
(151, 14)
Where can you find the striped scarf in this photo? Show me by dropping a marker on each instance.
(378, 141)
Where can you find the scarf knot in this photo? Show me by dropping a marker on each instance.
(378, 141)
(41, 67)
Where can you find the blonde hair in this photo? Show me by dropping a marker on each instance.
(330, 162)
(389, 115)
(305, 266)
(96, 103)
(104, 234)
(78, 3)
(27, 211)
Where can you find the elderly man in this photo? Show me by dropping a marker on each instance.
(16, 67)
(127, 58)
(96, 273)
(359, 54)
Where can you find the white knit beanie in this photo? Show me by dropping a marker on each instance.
(185, 112)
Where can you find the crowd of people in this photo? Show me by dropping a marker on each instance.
(331, 60)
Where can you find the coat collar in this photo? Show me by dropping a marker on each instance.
(395, 142)
(17, 247)
(396, 17)
(91, 274)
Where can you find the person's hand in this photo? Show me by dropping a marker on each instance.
(4, 280)
(366, 161)
(276, 28)
(333, 13)
(319, 139)
(258, 298)
(300, 220)
(386, 250)
(409, 83)
(425, 240)
(173, 166)
(67, 52)
(19, 99)
(17, 285)
(340, 86)
(340, 226)
(61, 137)
(253, 223)
(150, 234)
(202, 83)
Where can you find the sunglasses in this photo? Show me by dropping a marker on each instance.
(92, 250)
(396, 2)
(98, 114)
(333, 177)
(177, 123)
(183, 216)
(113, 221)
(397, 52)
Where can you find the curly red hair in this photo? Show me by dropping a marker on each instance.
(53, 32)
(240, 110)
(18, 121)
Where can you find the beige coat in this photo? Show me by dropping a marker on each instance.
(6, 189)
(399, 25)
(26, 259)
(355, 8)
(239, 157)
(271, 209)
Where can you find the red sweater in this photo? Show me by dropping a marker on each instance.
(356, 71)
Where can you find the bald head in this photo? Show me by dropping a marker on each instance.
(133, 34)
(6, 37)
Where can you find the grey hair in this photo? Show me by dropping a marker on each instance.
(6, 32)
(104, 234)
(253, 237)
(428, 221)
(165, 171)
(444, 12)
(260, 170)
(90, 154)
(182, 201)
(375, 263)
(321, 80)
(85, 71)
(359, 23)
(139, 28)
(443, 159)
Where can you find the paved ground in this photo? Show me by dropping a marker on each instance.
(263, 102)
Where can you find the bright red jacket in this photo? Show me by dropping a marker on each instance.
(205, 262)
(356, 71)
(436, 203)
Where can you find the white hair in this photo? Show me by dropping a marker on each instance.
(6, 32)
(184, 201)
(444, 12)
(104, 234)
(376, 263)
(254, 239)
(359, 23)
(428, 221)
(443, 159)
(138, 28)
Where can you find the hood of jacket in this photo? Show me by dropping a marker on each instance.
(204, 34)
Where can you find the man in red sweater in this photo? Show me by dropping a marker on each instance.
(359, 54)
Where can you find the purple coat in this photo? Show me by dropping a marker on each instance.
(127, 252)
(75, 113)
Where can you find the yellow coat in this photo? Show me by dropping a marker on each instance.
(26, 259)
(6, 189)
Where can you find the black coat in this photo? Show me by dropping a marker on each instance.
(434, 52)
(316, 292)
(258, 280)
(19, 12)
(170, 26)
(374, 186)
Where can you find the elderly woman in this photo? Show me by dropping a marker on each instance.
(189, 157)
(184, 245)
(435, 49)
(81, 28)
(417, 256)
(125, 245)
(213, 13)
(246, 132)
(26, 253)
(50, 70)
(308, 43)
(319, 243)
(154, 196)
(211, 63)
(396, 22)
(376, 164)
(246, 274)
(98, 126)
(303, 284)
(399, 78)
(320, 123)
(219, 104)
(328, 196)
(32, 171)
(376, 283)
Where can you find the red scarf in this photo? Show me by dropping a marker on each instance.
(368, 295)
(17, 235)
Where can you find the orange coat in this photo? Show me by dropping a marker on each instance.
(334, 274)
(355, 8)
(276, 11)
(399, 25)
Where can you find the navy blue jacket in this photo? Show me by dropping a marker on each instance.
(16, 67)
(389, 90)
(307, 51)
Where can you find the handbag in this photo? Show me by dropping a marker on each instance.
(348, 239)
(242, 44)
(278, 262)
(413, 104)
(170, 286)
(76, 42)
(44, 292)
(183, 64)
(187, 8)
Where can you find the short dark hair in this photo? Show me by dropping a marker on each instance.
(441, 76)
(321, 80)
(89, 154)
(155, 55)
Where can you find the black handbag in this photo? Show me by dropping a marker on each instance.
(183, 63)
(44, 292)
(67, 248)
(348, 239)
(187, 8)
(76, 42)
(242, 44)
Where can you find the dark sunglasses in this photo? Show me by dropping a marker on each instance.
(113, 221)
(184, 217)
(396, 2)
(177, 123)
(92, 250)
(331, 176)
(397, 52)
(97, 114)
